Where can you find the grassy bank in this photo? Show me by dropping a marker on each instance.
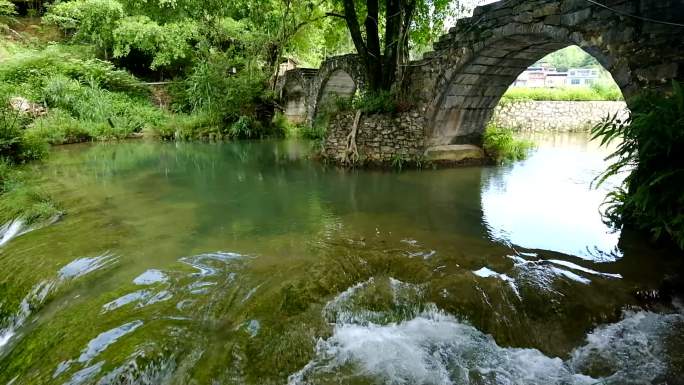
(598, 92)
(20, 198)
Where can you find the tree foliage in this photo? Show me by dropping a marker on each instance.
(571, 57)
(382, 31)
(7, 8)
(91, 21)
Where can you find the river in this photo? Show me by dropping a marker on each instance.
(249, 263)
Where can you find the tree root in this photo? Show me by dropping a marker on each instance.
(351, 153)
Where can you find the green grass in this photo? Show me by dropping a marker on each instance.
(19, 198)
(503, 147)
(598, 92)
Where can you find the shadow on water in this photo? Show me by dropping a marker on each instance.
(248, 263)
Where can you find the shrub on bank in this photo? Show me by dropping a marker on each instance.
(87, 99)
(19, 198)
(650, 143)
(501, 145)
(15, 146)
(59, 127)
(382, 102)
(104, 114)
(30, 68)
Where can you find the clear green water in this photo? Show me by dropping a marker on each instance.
(247, 263)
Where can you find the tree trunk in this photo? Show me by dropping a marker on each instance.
(403, 50)
(382, 65)
(373, 57)
(393, 26)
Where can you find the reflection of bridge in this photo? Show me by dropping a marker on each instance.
(457, 86)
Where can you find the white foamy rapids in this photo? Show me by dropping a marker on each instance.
(205, 262)
(11, 230)
(488, 273)
(33, 299)
(132, 372)
(83, 266)
(633, 349)
(39, 293)
(436, 348)
(150, 277)
(17, 227)
(542, 273)
(583, 269)
(433, 348)
(95, 346)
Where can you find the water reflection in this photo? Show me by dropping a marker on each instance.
(546, 202)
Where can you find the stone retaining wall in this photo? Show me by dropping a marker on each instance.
(379, 138)
(554, 116)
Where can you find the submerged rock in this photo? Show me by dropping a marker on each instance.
(455, 153)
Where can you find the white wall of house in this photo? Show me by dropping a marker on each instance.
(556, 80)
(582, 77)
(537, 77)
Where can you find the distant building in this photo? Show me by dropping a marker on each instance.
(582, 76)
(556, 80)
(546, 76)
(534, 77)
(286, 65)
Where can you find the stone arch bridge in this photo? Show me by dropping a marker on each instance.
(456, 87)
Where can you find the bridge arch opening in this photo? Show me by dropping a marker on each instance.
(340, 85)
(477, 84)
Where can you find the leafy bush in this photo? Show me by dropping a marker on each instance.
(7, 8)
(502, 146)
(31, 69)
(166, 44)
(58, 127)
(108, 115)
(224, 87)
(91, 21)
(313, 132)
(382, 102)
(650, 143)
(189, 127)
(15, 146)
(243, 128)
(19, 199)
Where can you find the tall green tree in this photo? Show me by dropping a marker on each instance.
(382, 31)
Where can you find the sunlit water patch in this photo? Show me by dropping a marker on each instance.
(547, 201)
